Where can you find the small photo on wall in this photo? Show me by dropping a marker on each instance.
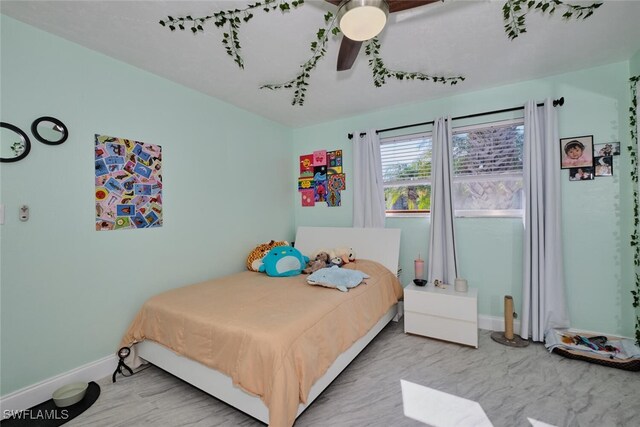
(576, 152)
(581, 174)
(608, 149)
(603, 165)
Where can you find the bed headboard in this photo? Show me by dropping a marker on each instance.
(377, 244)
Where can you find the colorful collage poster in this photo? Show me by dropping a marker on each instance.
(128, 184)
(306, 166)
(321, 178)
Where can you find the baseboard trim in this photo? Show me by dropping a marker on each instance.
(41, 392)
(494, 323)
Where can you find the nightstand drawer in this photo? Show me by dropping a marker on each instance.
(460, 331)
(442, 304)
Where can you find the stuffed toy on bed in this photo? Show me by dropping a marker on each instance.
(283, 261)
(321, 260)
(338, 278)
(254, 260)
(347, 255)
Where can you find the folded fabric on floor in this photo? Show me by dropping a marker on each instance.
(612, 347)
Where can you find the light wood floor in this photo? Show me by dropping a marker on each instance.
(511, 384)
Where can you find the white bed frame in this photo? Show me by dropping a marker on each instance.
(378, 244)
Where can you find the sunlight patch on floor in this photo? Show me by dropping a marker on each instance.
(440, 409)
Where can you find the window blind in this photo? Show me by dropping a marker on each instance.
(493, 150)
(406, 159)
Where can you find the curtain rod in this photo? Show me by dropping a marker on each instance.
(556, 102)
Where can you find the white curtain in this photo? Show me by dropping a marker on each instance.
(368, 190)
(442, 245)
(543, 290)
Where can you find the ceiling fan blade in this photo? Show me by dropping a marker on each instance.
(398, 5)
(395, 5)
(348, 52)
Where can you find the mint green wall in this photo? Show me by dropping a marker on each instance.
(634, 64)
(490, 249)
(67, 291)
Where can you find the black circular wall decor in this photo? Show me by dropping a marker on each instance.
(49, 130)
(19, 144)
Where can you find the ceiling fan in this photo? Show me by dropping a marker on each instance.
(361, 20)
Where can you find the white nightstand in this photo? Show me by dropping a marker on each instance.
(442, 313)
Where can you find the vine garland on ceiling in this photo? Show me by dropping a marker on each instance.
(372, 49)
(514, 12)
(381, 73)
(633, 153)
(318, 47)
(232, 18)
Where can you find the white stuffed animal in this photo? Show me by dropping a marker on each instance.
(343, 254)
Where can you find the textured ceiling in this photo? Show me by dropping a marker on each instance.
(448, 38)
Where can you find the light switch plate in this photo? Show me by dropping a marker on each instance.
(24, 213)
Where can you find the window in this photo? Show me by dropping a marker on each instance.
(406, 173)
(487, 170)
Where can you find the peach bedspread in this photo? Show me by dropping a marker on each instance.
(273, 336)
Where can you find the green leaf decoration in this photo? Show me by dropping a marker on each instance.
(381, 73)
(514, 12)
(231, 19)
(318, 47)
(633, 154)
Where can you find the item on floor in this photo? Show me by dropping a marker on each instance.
(615, 352)
(123, 353)
(69, 394)
(508, 337)
(47, 414)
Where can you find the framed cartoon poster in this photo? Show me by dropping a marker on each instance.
(576, 152)
(128, 180)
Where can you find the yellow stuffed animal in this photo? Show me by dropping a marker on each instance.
(254, 260)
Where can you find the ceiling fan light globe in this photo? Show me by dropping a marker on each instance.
(361, 20)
